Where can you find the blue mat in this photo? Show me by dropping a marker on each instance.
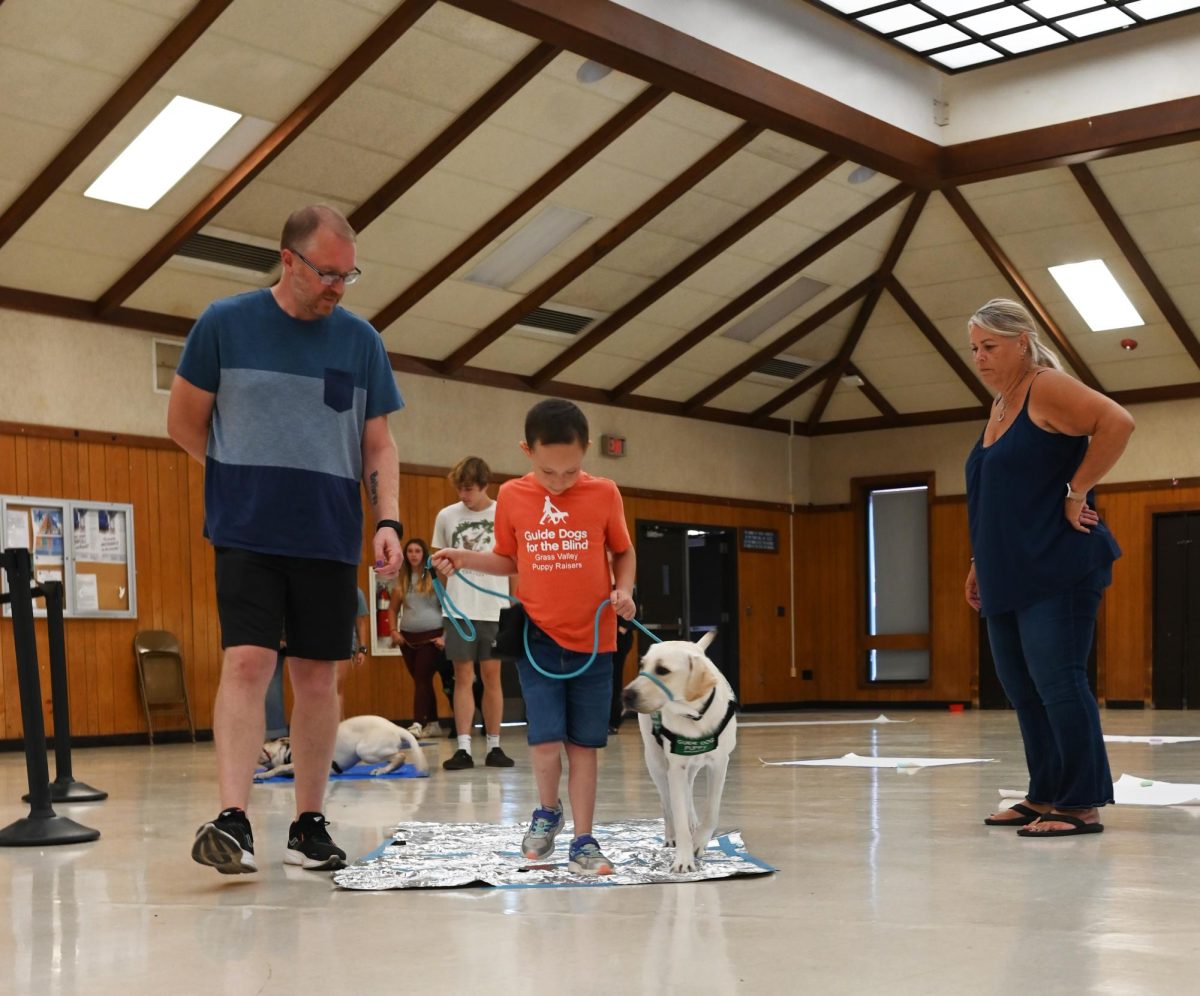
(360, 772)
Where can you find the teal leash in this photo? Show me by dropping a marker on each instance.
(457, 617)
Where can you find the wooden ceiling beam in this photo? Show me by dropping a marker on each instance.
(937, 340)
(1020, 287)
(1137, 129)
(1137, 260)
(872, 393)
(797, 390)
(126, 97)
(533, 195)
(842, 361)
(777, 346)
(776, 278)
(453, 135)
(622, 230)
(305, 113)
(784, 196)
(640, 46)
(837, 366)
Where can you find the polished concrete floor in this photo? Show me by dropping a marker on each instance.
(888, 882)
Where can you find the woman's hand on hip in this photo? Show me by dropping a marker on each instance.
(972, 590)
(1079, 515)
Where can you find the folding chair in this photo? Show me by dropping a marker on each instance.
(160, 676)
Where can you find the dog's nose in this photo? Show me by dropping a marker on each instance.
(629, 698)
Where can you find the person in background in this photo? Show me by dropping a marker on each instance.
(1042, 558)
(471, 525)
(415, 620)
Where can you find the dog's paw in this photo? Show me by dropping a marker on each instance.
(381, 770)
(684, 862)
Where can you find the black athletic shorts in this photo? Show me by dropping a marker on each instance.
(261, 596)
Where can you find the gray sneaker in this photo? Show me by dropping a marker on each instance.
(538, 841)
(586, 858)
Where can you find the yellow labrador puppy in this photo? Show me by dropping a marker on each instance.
(688, 722)
(361, 738)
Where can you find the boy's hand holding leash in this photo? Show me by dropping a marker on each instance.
(623, 604)
(449, 560)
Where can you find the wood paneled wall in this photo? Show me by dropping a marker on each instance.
(176, 591)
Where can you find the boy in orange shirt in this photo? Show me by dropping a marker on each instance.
(553, 527)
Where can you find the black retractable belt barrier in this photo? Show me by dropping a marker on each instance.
(42, 826)
(64, 788)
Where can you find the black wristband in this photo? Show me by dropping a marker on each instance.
(399, 527)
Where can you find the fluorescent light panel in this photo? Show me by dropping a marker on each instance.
(528, 246)
(796, 294)
(1027, 41)
(1096, 295)
(1151, 9)
(935, 37)
(966, 55)
(164, 151)
(1108, 19)
(896, 18)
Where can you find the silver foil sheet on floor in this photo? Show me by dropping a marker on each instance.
(444, 855)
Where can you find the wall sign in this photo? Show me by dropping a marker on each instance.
(760, 540)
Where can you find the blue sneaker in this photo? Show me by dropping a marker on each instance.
(586, 857)
(538, 841)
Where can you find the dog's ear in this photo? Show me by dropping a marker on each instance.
(701, 680)
(704, 642)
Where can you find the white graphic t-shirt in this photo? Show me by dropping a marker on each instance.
(457, 526)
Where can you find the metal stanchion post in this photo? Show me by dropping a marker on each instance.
(64, 788)
(42, 826)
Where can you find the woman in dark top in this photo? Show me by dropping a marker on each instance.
(1042, 559)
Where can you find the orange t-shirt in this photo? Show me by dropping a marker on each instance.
(558, 542)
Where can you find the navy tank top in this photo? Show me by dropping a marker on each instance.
(1025, 550)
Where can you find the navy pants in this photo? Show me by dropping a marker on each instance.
(1041, 657)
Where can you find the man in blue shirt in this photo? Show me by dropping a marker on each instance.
(284, 397)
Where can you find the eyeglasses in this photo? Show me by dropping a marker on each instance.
(328, 277)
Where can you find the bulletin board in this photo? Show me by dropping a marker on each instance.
(86, 545)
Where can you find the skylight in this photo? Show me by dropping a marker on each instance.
(163, 152)
(955, 35)
(1096, 295)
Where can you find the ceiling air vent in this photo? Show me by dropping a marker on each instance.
(242, 255)
(554, 320)
(784, 369)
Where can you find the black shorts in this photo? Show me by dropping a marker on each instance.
(260, 597)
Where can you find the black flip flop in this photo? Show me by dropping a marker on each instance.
(1077, 827)
(1028, 815)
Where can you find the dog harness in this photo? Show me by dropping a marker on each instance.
(691, 746)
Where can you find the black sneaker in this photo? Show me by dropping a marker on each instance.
(310, 846)
(226, 844)
(496, 758)
(459, 760)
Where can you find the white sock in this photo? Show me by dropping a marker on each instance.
(464, 743)
(493, 741)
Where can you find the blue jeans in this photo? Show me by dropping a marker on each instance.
(1041, 657)
(574, 710)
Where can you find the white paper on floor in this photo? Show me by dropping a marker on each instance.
(881, 718)
(857, 761)
(1110, 738)
(1130, 790)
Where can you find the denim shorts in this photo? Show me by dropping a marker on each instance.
(574, 710)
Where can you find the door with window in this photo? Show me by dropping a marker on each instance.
(687, 586)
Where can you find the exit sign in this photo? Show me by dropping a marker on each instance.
(612, 446)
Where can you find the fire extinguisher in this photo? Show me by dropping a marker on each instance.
(383, 602)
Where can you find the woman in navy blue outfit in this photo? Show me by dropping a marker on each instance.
(1042, 559)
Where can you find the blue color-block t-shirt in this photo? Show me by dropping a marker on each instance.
(284, 455)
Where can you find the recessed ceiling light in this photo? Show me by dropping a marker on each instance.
(162, 153)
(1034, 38)
(952, 8)
(1061, 8)
(935, 37)
(592, 72)
(992, 21)
(1097, 21)
(527, 246)
(1096, 295)
(1151, 9)
(896, 18)
(966, 55)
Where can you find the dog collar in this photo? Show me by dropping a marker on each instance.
(691, 746)
(666, 690)
(704, 708)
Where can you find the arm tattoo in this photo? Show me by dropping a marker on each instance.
(373, 488)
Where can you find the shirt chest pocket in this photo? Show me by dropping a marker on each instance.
(339, 389)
